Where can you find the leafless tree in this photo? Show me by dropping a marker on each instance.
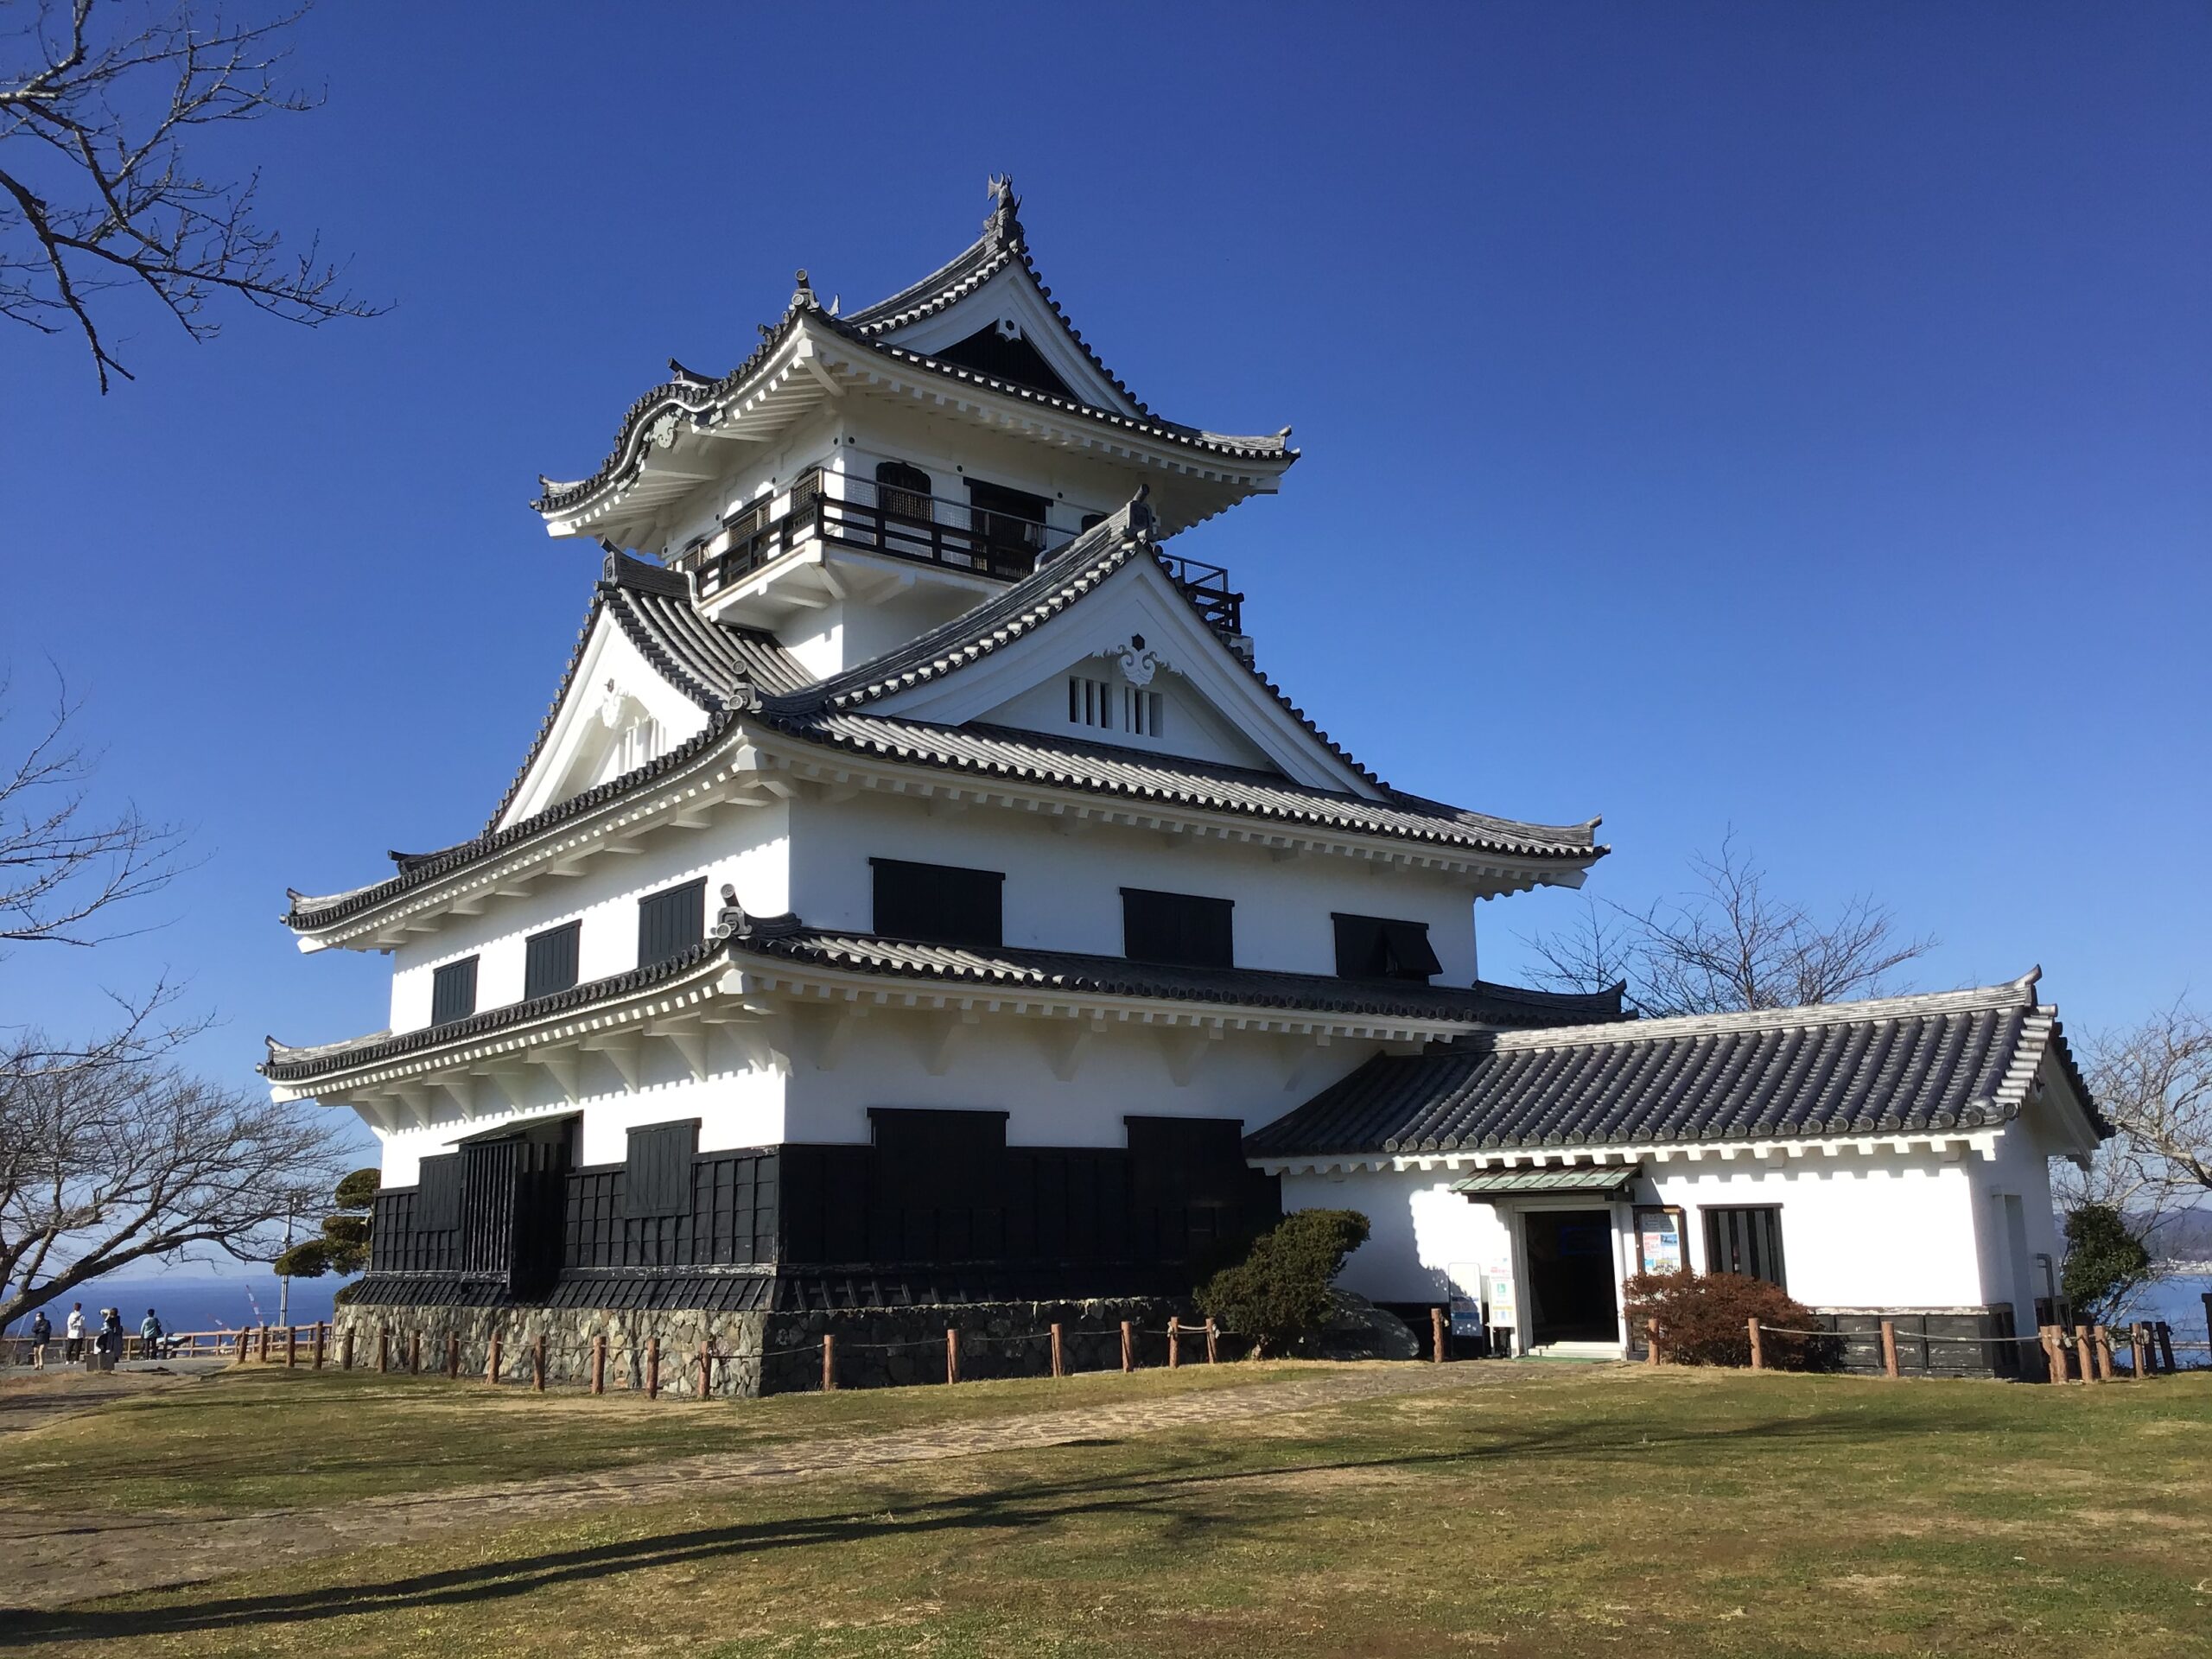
(105, 1164)
(2154, 1083)
(101, 105)
(66, 871)
(1726, 945)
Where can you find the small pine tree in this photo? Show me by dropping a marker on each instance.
(1279, 1291)
(342, 1246)
(2105, 1262)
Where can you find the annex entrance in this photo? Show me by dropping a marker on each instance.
(1572, 1297)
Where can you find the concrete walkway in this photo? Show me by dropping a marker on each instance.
(53, 1560)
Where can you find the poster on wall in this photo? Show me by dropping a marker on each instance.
(1659, 1239)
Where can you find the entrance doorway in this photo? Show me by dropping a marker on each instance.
(1571, 1296)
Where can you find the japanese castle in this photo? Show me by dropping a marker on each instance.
(920, 896)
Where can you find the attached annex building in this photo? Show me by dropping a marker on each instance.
(917, 895)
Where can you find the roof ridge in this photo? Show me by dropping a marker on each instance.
(2014, 993)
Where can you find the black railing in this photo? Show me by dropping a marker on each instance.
(929, 529)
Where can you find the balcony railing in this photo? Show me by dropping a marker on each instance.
(858, 512)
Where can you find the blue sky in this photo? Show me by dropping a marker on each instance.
(1797, 419)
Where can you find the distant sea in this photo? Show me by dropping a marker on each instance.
(196, 1303)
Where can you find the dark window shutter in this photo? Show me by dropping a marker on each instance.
(453, 992)
(672, 922)
(1746, 1240)
(939, 903)
(1178, 928)
(656, 1177)
(550, 961)
(1375, 947)
(437, 1197)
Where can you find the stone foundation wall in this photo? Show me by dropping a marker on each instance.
(770, 1353)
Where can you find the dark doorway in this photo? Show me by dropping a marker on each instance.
(1571, 1291)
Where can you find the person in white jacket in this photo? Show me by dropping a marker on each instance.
(75, 1332)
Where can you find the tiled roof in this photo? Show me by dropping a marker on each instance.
(1902, 1065)
(1003, 243)
(781, 940)
(1014, 968)
(739, 676)
(688, 393)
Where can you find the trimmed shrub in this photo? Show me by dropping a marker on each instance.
(1279, 1291)
(1704, 1320)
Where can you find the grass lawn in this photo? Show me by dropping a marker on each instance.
(1551, 1511)
(255, 1438)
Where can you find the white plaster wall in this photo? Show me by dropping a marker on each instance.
(579, 735)
(746, 848)
(1004, 1063)
(1188, 726)
(737, 1106)
(1063, 892)
(1420, 1230)
(1886, 1230)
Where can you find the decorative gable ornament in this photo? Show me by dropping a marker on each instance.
(1138, 662)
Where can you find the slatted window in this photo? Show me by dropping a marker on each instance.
(1090, 702)
(437, 1194)
(453, 992)
(657, 1178)
(549, 960)
(672, 922)
(1180, 928)
(1142, 710)
(940, 903)
(1375, 947)
(1746, 1240)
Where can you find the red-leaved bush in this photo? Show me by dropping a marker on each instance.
(1704, 1320)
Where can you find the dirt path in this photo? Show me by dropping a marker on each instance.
(56, 1559)
(32, 1399)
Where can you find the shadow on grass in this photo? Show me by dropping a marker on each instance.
(1023, 1507)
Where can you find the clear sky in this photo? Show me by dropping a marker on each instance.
(1795, 417)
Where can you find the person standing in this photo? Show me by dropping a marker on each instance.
(42, 1334)
(149, 1336)
(75, 1350)
(111, 1338)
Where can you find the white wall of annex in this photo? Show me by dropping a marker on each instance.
(1007, 1063)
(1063, 892)
(1420, 1231)
(744, 847)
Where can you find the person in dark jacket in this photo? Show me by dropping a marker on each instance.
(42, 1334)
(109, 1339)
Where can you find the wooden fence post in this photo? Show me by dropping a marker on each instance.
(1651, 1342)
(1213, 1342)
(492, 1361)
(346, 1349)
(2088, 1350)
(291, 1346)
(1128, 1347)
(598, 1363)
(2135, 1348)
(1759, 1353)
(265, 1344)
(2165, 1333)
(1059, 1355)
(653, 1368)
(951, 1355)
(314, 1348)
(829, 1363)
(1889, 1348)
(2102, 1339)
(1436, 1335)
(452, 1356)
(414, 1352)
(2054, 1356)
(706, 1370)
(1175, 1342)
(384, 1350)
(537, 1363)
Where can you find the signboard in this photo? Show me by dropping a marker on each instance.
(1659, 1243)
(1504, 1309)
(1467, 1278)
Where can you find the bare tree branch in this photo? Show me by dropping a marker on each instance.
(2154, 1083)
(64, 869)
(1726, 945)
(98, 190)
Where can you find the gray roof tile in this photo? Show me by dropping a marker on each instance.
(1953, 1061)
